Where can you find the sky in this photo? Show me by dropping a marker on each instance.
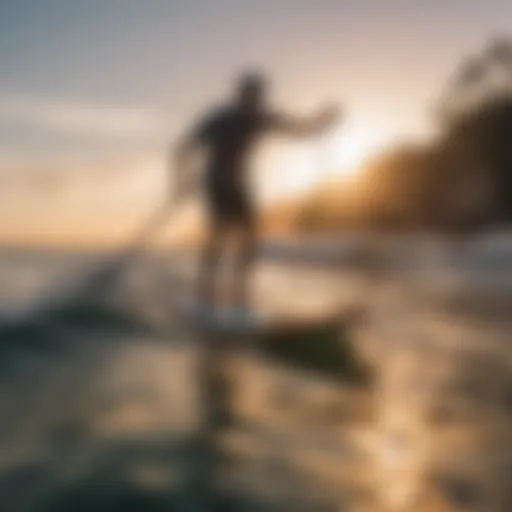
(93, 91)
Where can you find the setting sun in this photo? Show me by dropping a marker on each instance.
(346, 149)
(341, 153)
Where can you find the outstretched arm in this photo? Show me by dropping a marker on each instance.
(306, 127)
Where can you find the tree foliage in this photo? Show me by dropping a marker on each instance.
(462, 179)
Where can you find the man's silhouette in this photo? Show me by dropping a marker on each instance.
(229, 135)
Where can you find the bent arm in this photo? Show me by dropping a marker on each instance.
(183, 151)
(181, 162)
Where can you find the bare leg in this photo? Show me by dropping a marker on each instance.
(243, 266)
(210, 259)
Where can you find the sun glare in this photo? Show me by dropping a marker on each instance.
(346, 150)
(340, 154)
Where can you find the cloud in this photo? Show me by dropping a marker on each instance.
(80, 118)
(124, 180)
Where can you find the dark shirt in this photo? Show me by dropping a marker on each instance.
(229, 136)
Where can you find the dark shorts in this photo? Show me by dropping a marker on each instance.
(229, 203)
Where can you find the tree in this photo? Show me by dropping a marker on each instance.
(477, 138)
(461, 181)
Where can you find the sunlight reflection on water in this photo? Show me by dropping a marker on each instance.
(436, 324)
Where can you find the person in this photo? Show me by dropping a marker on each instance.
(230, 135)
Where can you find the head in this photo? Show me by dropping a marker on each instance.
(251, 91)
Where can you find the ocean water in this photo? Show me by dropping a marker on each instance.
(103, 417)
